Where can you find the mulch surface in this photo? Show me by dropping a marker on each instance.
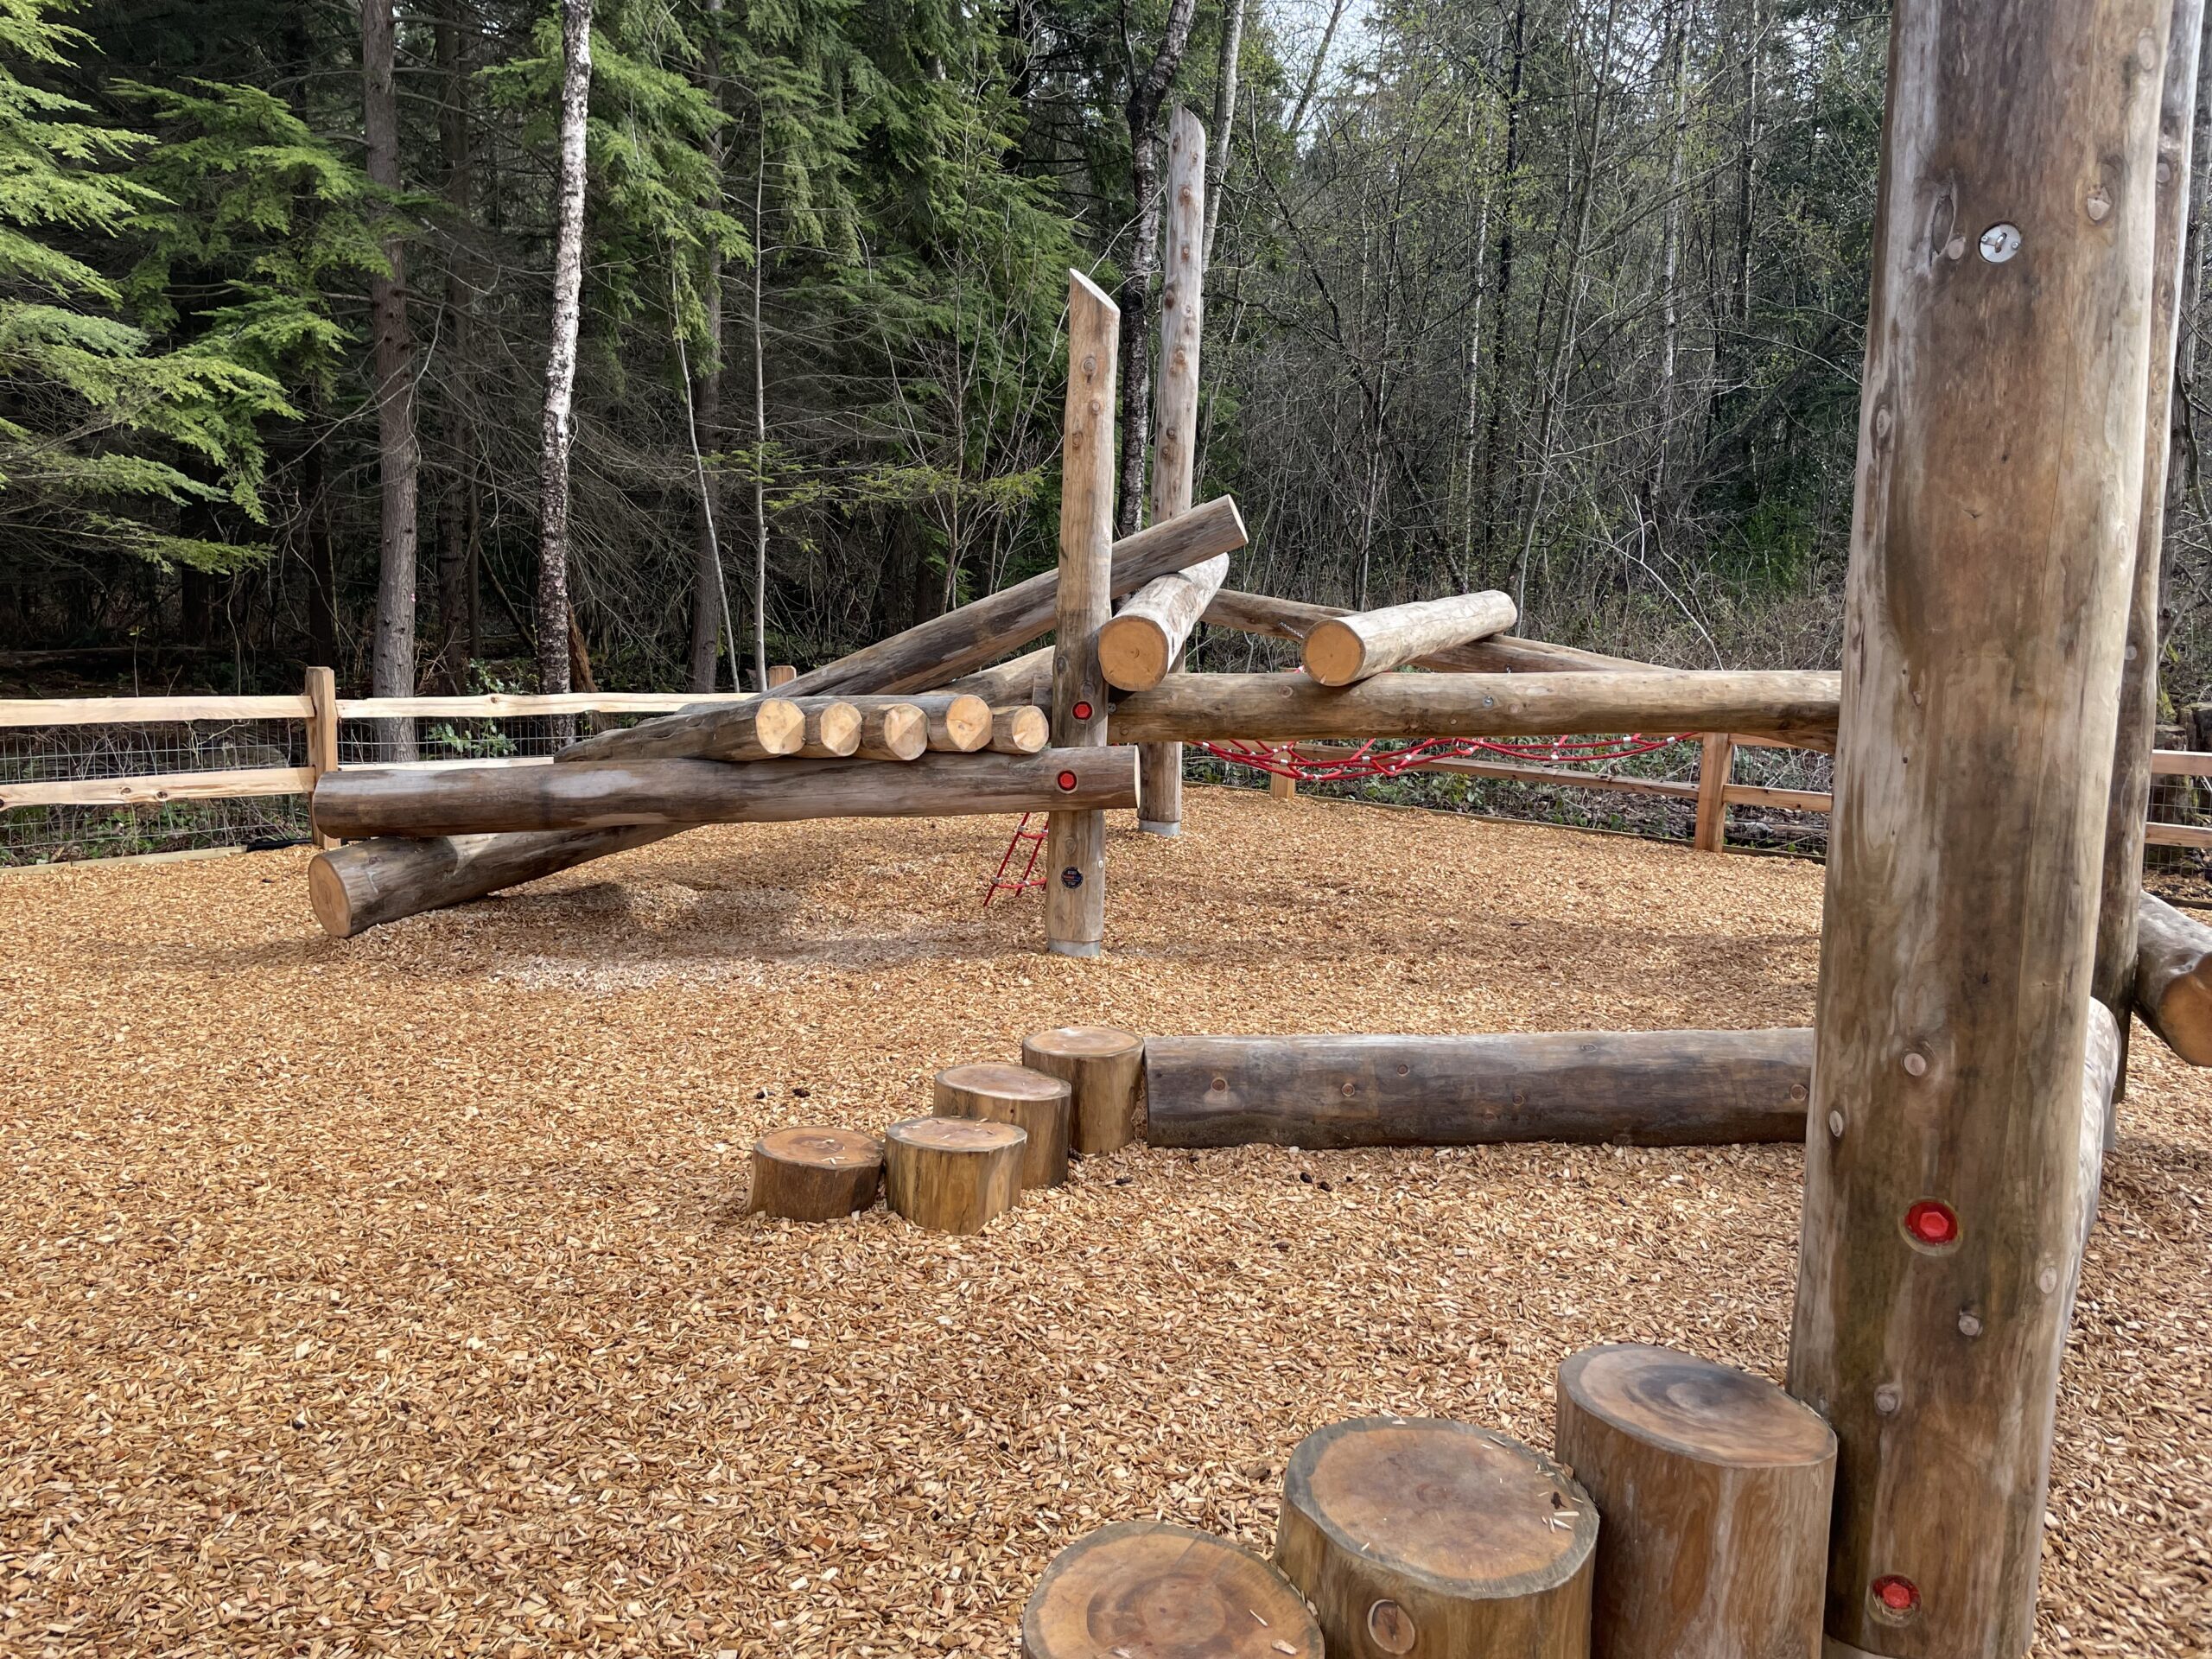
(392, 1295)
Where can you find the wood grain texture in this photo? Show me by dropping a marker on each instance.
(1651, 1088)
(814, 1173)
(1292, 619)
(1154, 1591)
(1142, 642)
(1796, 707)
(1032, 1101)
(2001, 458)
(1104, 1068)
(2173, 981)
(1713, 1489)
(1075, 841)
(833, 729)
(893, 730)
(371, 883)
(1423, 1536)
(756, 730)
(154, 787)
(1716, 759)
(2128, 802)
(1022, 730)
(1342, 650)
(486, 800)
(951, 1174)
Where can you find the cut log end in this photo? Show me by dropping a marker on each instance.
(1437, 1536)
(954, 1175)
(334, 905)
(1695, 1407)
(1032, 1101)
(1153, 1591)
(1335, 655)
(779, 726)
(1134, 652)
(832, 729)
(1023, 730)
(963, 726)
(1104, 1068)
(898, 732)
(815, 1174)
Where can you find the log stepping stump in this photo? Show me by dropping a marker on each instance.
(1032, 1103)
(1104, 1068)
(952, 1174)
(815, 1174)
(1714, 1488)
(1424, 1536)
(1148, 1590)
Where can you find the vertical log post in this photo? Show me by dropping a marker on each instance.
(2001, 461)
(1281, 786)
(2129, 802)
(322, 733)
(1717, 762)
(1075, 842)
(1175, 427)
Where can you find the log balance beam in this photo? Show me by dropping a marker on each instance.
(1647, 1089)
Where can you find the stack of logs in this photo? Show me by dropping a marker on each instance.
(994, 1132)
(1686, 1517)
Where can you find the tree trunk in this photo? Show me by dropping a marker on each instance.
(2001, 463)
(1224, 118)
(457, 509)
(561, 362)
(1674, 51)
(399, 459)
(760, 442)
(709, 599)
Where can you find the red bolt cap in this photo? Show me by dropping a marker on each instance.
(1932, 1223)
(1067, 780)
(1896, 1595)
(1083, 711)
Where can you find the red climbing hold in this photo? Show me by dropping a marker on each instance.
(1898, 1596)
(1066, 780)
(1932, 1223)
(1083, 711)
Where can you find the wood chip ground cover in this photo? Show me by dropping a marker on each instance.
(390, 1296)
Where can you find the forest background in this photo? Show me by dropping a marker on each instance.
(1560, 297)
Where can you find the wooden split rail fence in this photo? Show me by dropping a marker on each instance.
(320, 710)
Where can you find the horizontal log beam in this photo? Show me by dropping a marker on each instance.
(1342, 650)
(2173, 978)
(1292, 619)
(358, 804)
(1798, 707)
(1651, 1088)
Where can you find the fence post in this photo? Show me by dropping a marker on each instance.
(1712, 774)
(1281, 786)
(781, 674)
(322, 731)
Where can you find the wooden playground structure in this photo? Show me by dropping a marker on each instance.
(1985, 947)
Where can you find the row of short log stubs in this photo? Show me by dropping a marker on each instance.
(994, 1132)
(1684, 1516)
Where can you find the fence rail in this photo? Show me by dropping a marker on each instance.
(321, 711)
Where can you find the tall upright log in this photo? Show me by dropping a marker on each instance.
(2128, 804)
(1636, 1088)
(1293, 618)
(1342, 649)
(2000, 459)
(359, 803)
(2173, 979)
(1790, 707)
(1175, 437)
(1075, 842)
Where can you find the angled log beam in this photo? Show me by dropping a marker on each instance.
(1342, 649)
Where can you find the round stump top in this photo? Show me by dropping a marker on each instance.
(971, 1135)
(1003, 1082)
(1470, 1512)
(1694, 1407)
(1148, 1590)
(820, 1148)
(1086, 1042)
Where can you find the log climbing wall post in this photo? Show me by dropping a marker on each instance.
(1175, 429)
(2129, 802)
(2000, 457)
(1075, 842)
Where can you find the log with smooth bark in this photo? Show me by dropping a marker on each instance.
(952, 1174)
(833, 729)
(1103, 1066)
(1789, 706)
(1033, 1102)
(370, 882)
(893, 731)
(486, 799)
(1153, 1589)
(1292, 619)
(1646, 1088)
(1423, 1535)
(759, 730)
(1022, 730)
(1713, 1489)
(2173, 979)
(1342, 649)
(1998, 478)
(814, 1173)
(1144, 640)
